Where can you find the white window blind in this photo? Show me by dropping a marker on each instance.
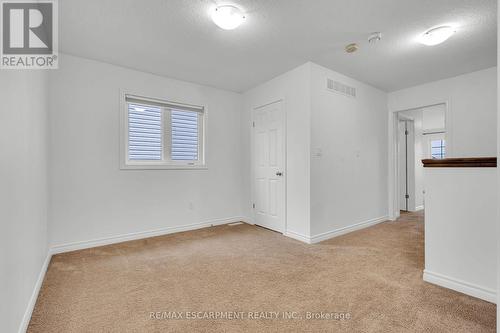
(184, 135)
(144, 132)
(162, 134)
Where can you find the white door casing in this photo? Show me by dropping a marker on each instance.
(406, 163)
(269, 166)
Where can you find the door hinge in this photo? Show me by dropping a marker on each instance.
(253, 205)
(407, 196)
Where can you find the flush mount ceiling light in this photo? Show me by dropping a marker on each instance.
(436, 35)
(227, 17)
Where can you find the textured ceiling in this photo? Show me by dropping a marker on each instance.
(176, 38)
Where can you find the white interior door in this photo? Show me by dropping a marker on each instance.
(406, 152)
(269, 166)
(403, 165)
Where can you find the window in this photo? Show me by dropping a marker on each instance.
(438, 148)
(158, 134)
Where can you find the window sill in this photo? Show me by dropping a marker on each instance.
(162, 167)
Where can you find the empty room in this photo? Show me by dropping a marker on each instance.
(249, 166)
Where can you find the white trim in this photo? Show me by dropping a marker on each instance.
(162, 166)
(137, 98)
(248, 220)
(61, 248)
(298, 236)
(336, 232)
(434, 131)
(421, 207)
(344, 230)
(467, 288)
(34, 295)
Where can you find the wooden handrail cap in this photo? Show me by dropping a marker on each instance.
(461, 162)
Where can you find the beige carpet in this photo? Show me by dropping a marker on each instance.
(373, 277)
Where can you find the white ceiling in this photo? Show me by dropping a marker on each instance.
(176, 38)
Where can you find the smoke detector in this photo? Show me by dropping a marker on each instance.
(351, 48)
(375, 37)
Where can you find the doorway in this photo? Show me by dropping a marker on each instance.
(420, 133)
(268, 161)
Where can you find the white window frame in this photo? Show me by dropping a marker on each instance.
(165, 162)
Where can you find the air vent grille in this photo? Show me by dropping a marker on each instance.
(340, 88)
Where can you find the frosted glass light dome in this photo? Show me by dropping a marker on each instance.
(227, 17)
(437, 35)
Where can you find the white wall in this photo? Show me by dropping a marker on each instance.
(349, 178)
(23, 191)
(92, 198)
(294, 88)
(472, 104)
(460, 230)
(470, 117)
(336, 150)
(419, 151)
(434, 117)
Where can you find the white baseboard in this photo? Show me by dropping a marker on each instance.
(247, 220)
(342, 231)
(419, 208)
(34, 295)
(394, 216)
(61, 248)
(461, 286)
(298, 236)
(334, 233)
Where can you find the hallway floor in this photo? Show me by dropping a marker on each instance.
(372, 278)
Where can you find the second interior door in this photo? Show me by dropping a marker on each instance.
(269, 162)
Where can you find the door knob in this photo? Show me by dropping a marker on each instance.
(279, 173)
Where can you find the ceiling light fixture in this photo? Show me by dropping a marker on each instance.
(437, 35)
(227, 17)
